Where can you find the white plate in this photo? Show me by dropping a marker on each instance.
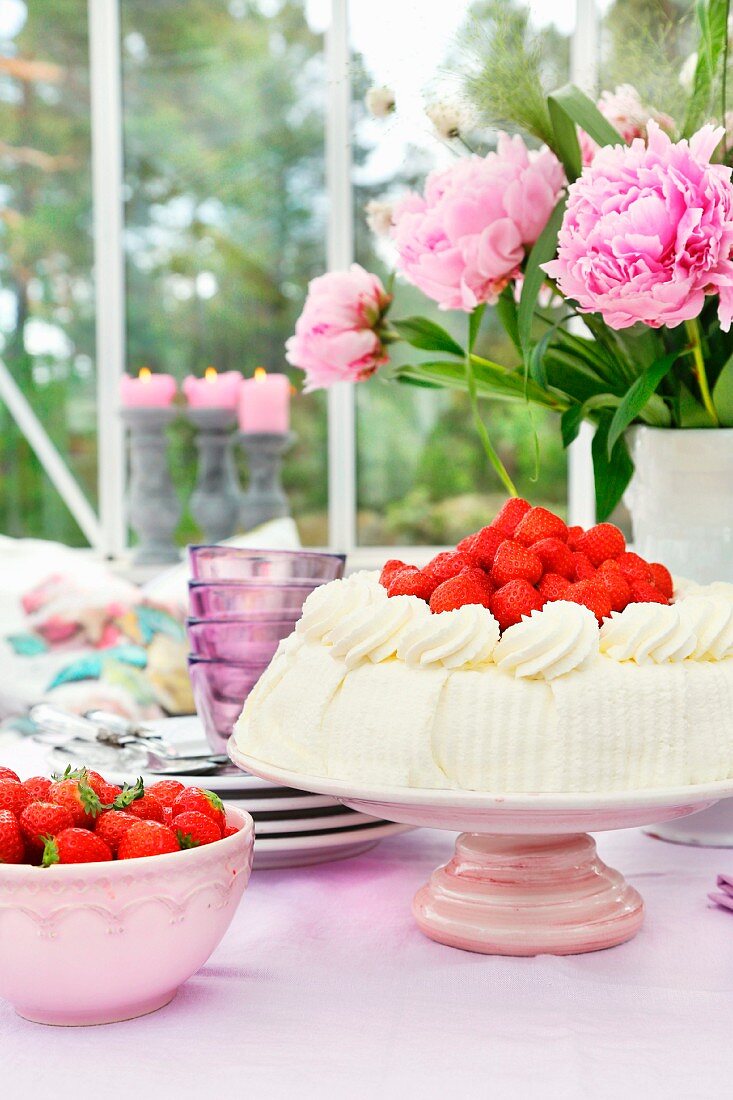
(334, 823)
(274, 852)
(258, 802)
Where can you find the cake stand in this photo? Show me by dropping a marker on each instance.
(525, 878)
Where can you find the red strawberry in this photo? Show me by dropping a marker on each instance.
(42, 819)
(538, 524)
(553, 587)
(13, 796)
(193, 829)
(509, 516)
(37, 788)
(592, 595)
(574, 536)
(584, 568)
(12, 847)
(555, 557)
(95, 780)
(112, 826)
(411, 582)
(643, 592)
(166, 791)
(8, 773)
(390, 569)
(632, 565)
(514, 562)
(205, 802)
(229, 830)
(168, 816)
(75, 846)
(470, 586)
(75, 793)
(146, 808)
(513, 601)
(147, 838)
(616, 586)
(446, 565)
(482, 546)
(602, 542)
(662, 579)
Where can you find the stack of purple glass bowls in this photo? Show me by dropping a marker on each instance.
(242, 603)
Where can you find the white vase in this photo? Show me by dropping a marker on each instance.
(681, 500)
(681, 504)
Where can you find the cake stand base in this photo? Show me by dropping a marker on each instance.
(528, 895)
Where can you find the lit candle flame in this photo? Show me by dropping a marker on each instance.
(210, 374)
(145, 374)
(260, 374)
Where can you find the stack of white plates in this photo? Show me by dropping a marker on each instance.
(292, 828)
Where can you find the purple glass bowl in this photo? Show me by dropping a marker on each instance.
(219, 691)
(249, 602)
(231, 563)
(232, 640)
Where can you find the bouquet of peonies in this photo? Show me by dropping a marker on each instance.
(623, 218)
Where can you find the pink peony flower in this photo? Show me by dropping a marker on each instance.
(648, 232)
(336, 337)
(624, 110)
(464, 239)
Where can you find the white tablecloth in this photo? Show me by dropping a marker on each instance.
(324, 987)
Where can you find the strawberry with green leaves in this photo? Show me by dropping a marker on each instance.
(42, 819)
(193, 828)
(75, 846)
(205, 802)
(72, 790)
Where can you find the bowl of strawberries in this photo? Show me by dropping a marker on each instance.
(135, 883)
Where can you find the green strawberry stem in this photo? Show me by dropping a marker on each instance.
(50, 851)
(186, 840)
(128, 795)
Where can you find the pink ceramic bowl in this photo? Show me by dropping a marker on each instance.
(232, 563)
(219, 690)
(251, 602)
(96, 943)
(232, 640)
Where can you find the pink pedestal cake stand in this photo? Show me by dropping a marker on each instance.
(525, 878)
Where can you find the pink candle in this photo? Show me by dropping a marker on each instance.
(214, 390)
(264, 403)
(147, 389)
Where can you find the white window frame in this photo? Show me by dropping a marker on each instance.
(108, 532)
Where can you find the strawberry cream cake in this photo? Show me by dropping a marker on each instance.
(535, 657)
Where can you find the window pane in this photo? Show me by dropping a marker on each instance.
(422, 474)
(46, 291)
(225, 215)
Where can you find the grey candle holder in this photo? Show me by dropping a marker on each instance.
(216, 499)
(265, 497)
(153, 506)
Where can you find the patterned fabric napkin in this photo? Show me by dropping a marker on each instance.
(724, 895)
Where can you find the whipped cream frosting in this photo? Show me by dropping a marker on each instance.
(549, 643)
(328, 604)
(648, 632)
(462, 638)
(373, 632)
(711, 622)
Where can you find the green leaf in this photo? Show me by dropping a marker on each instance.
(566, 139)
(723, 395)
(543, 250)
(570, 422)
(573, 417)
(50, 851)
(506, 310)
(474, 324)
(128, 795)
(692, 413)
(186, 840)
(712, 18)
(581, 110)
(638, 395)
(611, 471)
(428, 336)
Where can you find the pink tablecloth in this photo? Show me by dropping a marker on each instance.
(324, 987)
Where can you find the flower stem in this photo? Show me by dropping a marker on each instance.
(483, 434)
(693, 331)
